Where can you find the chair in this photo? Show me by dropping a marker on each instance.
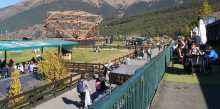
(175, 60)
(196, 60)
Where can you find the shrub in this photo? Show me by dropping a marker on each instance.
(51, 68)
(15, 87)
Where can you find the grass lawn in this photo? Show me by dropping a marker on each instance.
(26, 55)
(85, 55)
(178, 76)
(79, 55)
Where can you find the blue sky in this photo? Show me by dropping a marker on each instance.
(4, 3)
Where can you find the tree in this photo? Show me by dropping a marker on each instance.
(206, 9)
(15, 87)
(52, 68)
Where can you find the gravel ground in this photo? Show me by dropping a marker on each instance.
(28, 82)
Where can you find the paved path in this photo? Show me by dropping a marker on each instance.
(70, 100)
(175, 95)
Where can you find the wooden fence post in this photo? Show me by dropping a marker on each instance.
(73, 66)
(55, 86)
(86, 66)
(34, 100)
(99, 67)
(78, 67)
(71, 80)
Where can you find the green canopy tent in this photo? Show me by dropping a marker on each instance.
(31, 44)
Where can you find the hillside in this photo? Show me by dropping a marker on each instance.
(26, 5)
(34, 12)
(163, 21)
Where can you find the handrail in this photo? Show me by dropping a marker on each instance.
(139, 90)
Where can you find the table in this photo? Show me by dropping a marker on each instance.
(122, 74)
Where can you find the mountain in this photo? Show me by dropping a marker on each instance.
(29, 13)
(162, 21)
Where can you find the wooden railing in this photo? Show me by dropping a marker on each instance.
(95, 67)
(37, 95)
(46, 92)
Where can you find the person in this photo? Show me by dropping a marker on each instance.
(15, 66)
(118, 65)
(196, 39)
(31, 67)
(10, 62)
(127, 61)
(10, 70)
(210, 53)
(39, 57)
(26, 68)
(34, 60)
(4, 71)
(194, 50)
(142, 53)
(109, 66)
(82, 88)
(136, 54)
(178, 52)
(158, 45)
(100, 85)
(149, 53)
(20, 67)
(97, 49)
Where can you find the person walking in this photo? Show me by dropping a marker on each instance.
(149, 53)
(82, 88)
(142, 53)
(158, 45)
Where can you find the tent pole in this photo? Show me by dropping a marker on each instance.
(6, 56)
(42, 50)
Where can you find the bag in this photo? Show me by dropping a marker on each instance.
(80, 87)
(98, 85)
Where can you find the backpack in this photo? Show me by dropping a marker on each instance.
(98, 85)
(80, 86)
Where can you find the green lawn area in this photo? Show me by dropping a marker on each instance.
(178, 76)
(85, 55)
(79, 55)
(26, 55)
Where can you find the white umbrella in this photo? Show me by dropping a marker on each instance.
(202, 31)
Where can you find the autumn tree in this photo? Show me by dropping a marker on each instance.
(15, 87)
(52, 68)
(206, 9)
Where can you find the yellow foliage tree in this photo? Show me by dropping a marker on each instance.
(15, 87)
(51, 68)
(206, 9)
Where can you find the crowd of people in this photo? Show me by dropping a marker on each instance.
(100, 84)
(187, 47)
(140, 53)
(23, 68)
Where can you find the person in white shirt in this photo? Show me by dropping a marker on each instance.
(32, 65)
(20, 67)
(109, 66)
(127, 61)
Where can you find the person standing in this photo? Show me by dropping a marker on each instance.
(82, 88)
(149, 52)
(196, 39)
(158, 45)
(100, 85)
(142, 53)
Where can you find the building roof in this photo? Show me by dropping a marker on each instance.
(214, 14)
(30, 44)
